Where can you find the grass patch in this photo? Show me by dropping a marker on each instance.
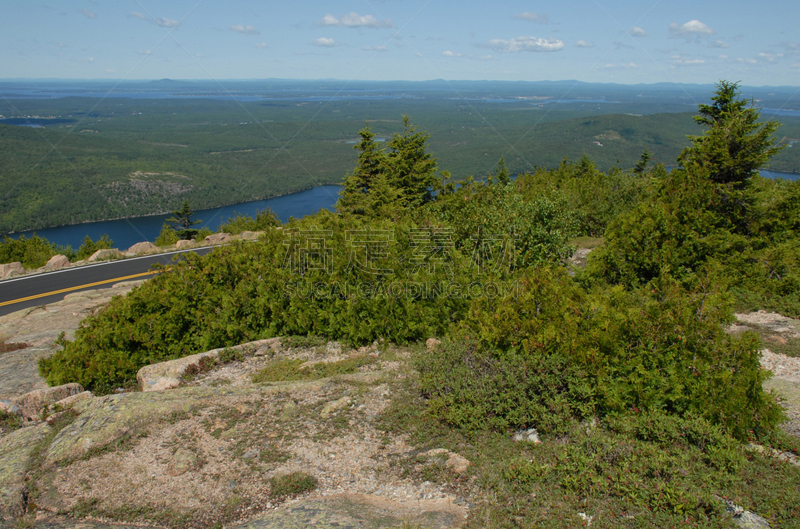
(290, 370)
(777, 342)
(286, 485)
(9, 422)
(304, 342)
(587, 243)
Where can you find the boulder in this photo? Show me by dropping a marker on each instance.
(432, 343)
(32, 403)
(72, 399)
(169, 375)
(143, 247)
(104, 255)
(218, 238)
(530, 435)
(455, 462)
(184, 243)
(56, 262)
(8, 269)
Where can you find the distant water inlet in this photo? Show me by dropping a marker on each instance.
(127, 232)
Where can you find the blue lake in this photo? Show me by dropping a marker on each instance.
(127, 232)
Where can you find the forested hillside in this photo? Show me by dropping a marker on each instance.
(111, 158)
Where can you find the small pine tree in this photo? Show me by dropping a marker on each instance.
(182, 221)
(503, 177)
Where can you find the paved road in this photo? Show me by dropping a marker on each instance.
(40, 289)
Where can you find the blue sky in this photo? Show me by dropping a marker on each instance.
(757, 43)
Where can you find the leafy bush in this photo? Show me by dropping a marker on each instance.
(89, 247)
(494, 220)
(33, 252)
(167, 237)
(238, 223)
(557, 352)
(242, 292)
(595, 198)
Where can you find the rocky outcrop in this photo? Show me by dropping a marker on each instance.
(218, 238)
(32, 404)
(184, 243)
(56, 262)
(361, 510)
(171, 374)
(15, 458)
(104, 255)
(143, 248)
(9, 269)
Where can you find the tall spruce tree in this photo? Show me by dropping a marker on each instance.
(412, 170)
(354, 197)
(735, 144)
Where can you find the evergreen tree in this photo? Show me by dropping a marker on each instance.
(358, 184)
(641, 165)
(412, 171)
(503, 177)
(735, 144)
(182, 221)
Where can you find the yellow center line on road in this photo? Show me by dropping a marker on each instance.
(53, 293)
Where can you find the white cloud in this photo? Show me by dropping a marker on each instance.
(261, 46)
(449, 53)
(532, 17)
(247, 30)
(746, 61)
(167, 22)
(325, 42)
(584, 44)
(626, 66)
(723, 56)
(771, 57)
(525, 44)
(636, 31)
(693, 28)
(678, 60)
(88, 14)
(138, 15)
(354, 20)
(718, 44)
(375, 48)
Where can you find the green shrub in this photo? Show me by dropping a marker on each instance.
(238, 223)
(557, 352)
(33, 252)
(167, 237)
(89, 247)
(284, 485)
